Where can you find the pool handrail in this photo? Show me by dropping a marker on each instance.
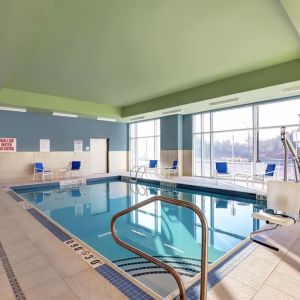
(169, 269)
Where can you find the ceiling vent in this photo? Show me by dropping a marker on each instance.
(224, 102)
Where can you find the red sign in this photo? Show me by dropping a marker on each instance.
(8, 144)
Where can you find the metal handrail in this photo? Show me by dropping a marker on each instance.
(169, 269)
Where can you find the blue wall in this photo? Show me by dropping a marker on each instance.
(171, 132)
(187, 132)
(176, 132)
(30, 127)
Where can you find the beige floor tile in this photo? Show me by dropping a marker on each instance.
(29, 265)
(269, 255)
(66, 263)
(283, 239)
(84, 281)
(286, 284)
(39, 233)
(49, 245)
(7, 296)
(1, 268)
(290, 265)
(37, 277)
(7, 221)
(230, 289)
(253, 271)
(109, 293)
(13, 237)
(48, 290)
(5, 287)
(67, 296)
(22, 254)
(269, 293)
(18, 247)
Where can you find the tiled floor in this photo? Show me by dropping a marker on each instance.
(46, 269)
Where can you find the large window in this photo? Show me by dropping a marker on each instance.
(246, 137)
(144, 142)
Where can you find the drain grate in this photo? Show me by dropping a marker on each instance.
(19, 295)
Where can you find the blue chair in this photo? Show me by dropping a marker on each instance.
(172, 169)
(39, 170)
(75, 167)
(152, 165)
(222, 170)
(268, 174)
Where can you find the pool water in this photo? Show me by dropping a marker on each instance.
(167, 231)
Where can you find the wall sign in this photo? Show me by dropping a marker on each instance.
(44, 145)
(78, 145)
(8, 144)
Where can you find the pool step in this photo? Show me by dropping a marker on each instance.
(137, 266)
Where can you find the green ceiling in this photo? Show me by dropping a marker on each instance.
(98, 56)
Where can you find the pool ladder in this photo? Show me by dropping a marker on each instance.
(166, 267)
(136, 170)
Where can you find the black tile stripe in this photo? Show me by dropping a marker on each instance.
(158, 256)
(165, 261)
(158, 267)
(19, 295)
(160, 272)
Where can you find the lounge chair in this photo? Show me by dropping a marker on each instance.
(75, 166)
(152, 165)
(268, 174)
(222, 170)
(172, 169)
(39, 170)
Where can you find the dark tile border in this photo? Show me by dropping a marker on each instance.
(204, 189)
(128, 288)
(15, 196)
(61, 235)
(101, 179)
(34, 186)
(19, 295)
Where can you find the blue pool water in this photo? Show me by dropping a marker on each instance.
(160, 229)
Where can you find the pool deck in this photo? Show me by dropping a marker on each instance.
(45, 268)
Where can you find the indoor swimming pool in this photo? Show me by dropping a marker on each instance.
(166, 231)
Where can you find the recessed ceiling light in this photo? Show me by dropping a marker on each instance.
(292, 89)
(172, 112)
(223, 102)
(13, 108)
(64, 115)
(106, 119)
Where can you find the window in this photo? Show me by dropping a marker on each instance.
(144, 142)
(246, 137)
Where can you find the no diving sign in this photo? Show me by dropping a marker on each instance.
(8, 144)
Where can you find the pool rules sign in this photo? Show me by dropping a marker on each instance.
(8, 144)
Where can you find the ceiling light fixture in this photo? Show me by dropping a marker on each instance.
(292, 89)
(224, 102)
(13, 108)
(172, 112)
(64, 115)
(106, 119)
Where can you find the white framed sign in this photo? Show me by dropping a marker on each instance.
(78, 145)
(8, 144)
(44, 145)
